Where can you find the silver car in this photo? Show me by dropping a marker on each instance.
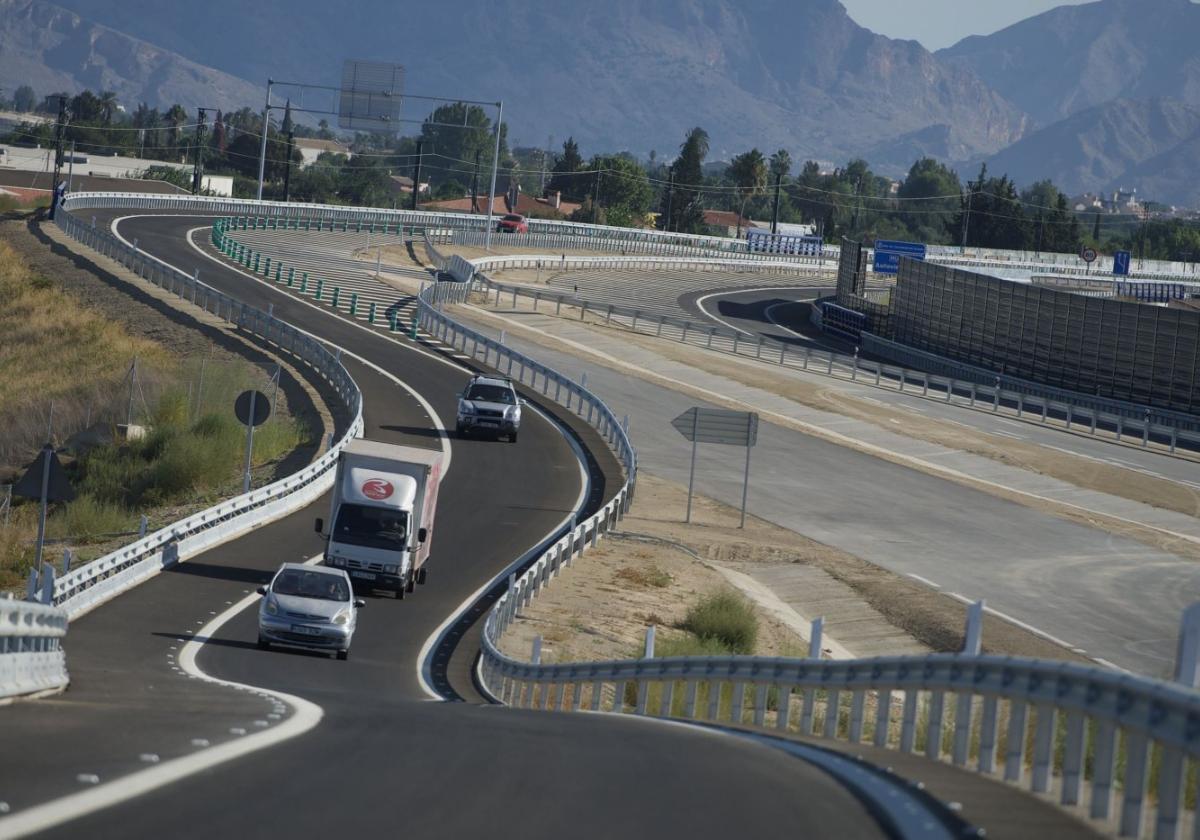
(310, 607)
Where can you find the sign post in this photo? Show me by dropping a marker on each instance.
(46, 481)
(252, 409)
(1088, 255)
(728, 428)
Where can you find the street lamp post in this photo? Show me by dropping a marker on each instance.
(495, 168)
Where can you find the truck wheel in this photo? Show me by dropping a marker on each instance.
(400, 593)
(343, 655)
(421, 575)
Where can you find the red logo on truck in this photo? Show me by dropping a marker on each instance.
(377, 489)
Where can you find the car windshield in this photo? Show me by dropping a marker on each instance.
(371, 527)
(491, 393)
(311, 584)
(514, 218)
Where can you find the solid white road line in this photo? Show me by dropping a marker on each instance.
(923, 580)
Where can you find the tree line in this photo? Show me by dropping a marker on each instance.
(457, 142)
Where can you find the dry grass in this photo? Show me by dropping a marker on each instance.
(56, 351)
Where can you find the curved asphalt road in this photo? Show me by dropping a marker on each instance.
(384, 760)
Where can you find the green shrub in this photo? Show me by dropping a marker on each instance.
(726, 617)
(687, 644)
(88, 517)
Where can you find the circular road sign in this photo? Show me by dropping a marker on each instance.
(1088, 255)
(262, 408)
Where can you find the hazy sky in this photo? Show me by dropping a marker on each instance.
(940, 23)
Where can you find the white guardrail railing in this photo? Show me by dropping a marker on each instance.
(951, 382)
(31, 654)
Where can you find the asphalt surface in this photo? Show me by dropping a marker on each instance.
(1114, 597)
(384, 759)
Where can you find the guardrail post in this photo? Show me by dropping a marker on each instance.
(996, 396)
(142, 525)
(47, 596)
(320, 289)
(974, 393)
(278, 272)
(371, 314)
(66, 560)
(1174, 436)
(1146, 429)
(1120, 426)
(291, 276)
(353, 304)
(924, 384)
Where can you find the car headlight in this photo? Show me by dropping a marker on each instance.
(270, 606)
(342, 618)
(466, 408)
(512, 412)
(391, 570)
(337, 561)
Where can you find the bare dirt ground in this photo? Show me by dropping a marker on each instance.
(657, 566)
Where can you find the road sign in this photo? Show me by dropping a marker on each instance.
(58, 489)
(252, 408)
(1121, 261)
(252, 403)
(888, 253)
(715, 425)
(1088, 255)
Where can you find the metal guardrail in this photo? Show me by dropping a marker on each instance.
(31, 655)
(88, 586)
(935, 378)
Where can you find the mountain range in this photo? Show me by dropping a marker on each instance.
(1096, 95)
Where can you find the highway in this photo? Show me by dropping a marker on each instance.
(1113, 597)
(383, 758)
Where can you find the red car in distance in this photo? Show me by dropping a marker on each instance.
(512, 223)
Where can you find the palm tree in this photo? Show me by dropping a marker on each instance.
(177, 117)
(749, 173)
(781, 164)
(108, 106)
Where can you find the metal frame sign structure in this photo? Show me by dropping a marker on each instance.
(888, 253)
(722, 427)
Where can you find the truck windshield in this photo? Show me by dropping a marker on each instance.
(371, 527)
(490, 393)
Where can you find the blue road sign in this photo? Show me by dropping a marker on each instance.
(1121, 263)
(888, 253)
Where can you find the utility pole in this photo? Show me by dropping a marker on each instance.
(596, 198)
(495, 168)
(59, 129)
(475, 183)
(967, 218)
(197, 164)
(71, 168)
(287, 173)
(775, 210)
(262, 154)
(1041, 227)
(670, 196)
(417, 173)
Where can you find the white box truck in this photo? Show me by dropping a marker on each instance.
(381, 519)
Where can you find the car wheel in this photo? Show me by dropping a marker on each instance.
(263, 644)
(512, 438)
(343, 655)
(460, 430)
(422, 575)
